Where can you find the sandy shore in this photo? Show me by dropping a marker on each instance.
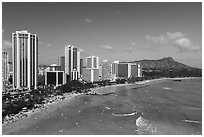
(107, 89)
(33, 116)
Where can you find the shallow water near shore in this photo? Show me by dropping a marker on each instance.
(167, 107)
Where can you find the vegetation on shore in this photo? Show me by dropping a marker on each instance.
(14, 102)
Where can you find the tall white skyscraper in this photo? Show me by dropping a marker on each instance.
(5, 66)
(91, 72)
(139, 70)
(72, 62)
(25, 59)
(92, 62)
(61, 62)
(114, 69)
(106, 70)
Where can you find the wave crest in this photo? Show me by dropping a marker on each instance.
(124, 115)
(145, 127)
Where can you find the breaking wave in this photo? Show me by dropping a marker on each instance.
(166, 88)
(192, 108)
(192, 121)
(145, 127)
(124, 115)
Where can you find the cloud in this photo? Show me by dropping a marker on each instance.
(129, 49)
(6, 44)
(132, 43)
(81, 50)
(44, 44)
(174, 35)
(177, 39)
(49, 45)
(185, 43)
(117, 13)
(157, 39)
(108, 47)
(88, 20)
(40, 43)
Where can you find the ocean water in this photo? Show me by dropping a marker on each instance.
(164, 107)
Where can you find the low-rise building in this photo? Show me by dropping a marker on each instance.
(126, 70)
(55, 78)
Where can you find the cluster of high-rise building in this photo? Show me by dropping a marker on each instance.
(69, 67)
(116, 69)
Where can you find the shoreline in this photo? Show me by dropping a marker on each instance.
(165, 78)
(98, 91)
(34, 115)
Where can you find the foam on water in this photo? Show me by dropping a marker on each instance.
(124, 115)
(192, 108)
(166, 88)
(192, 121)
(108, 108)
(145, 127)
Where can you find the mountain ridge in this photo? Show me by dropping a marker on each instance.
(163, 63)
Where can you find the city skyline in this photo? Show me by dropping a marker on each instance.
(112, 31)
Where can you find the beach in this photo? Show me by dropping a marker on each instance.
(35, 115)
(65, 108)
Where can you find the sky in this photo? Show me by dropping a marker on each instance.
(123, 31)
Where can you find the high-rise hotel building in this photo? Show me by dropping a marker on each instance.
(92, 62)
(114, 69)
(106, 70)
(81, 66)
(61, 62)
(25, 59)
(91, 72)
(127, 70)
(5, 67)
(72, 62)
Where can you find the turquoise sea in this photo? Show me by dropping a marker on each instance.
(164, 107)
